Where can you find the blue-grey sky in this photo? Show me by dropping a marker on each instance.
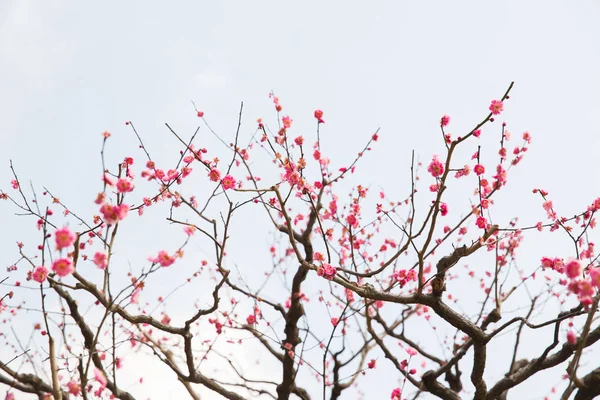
(69, 71)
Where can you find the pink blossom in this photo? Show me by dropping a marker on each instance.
(481, 222)
(63, 266)
(500, 177)
(14, 183)
(287, 122)
(496, 107)
(100, 259)
(571, 338)
(135, 296)
(465, 171)
(547, 262)
(108, 180)
(352, 220)
(595, 276)
(100, 377)
(396, 393)
(335, 321)
(64, 238)
(214, 175)
(74, 388)
(124, 185)
(445, 120)
(411, 352)
(371, 364)
(319, 116)
(113, 214)
(100, 198)
(228, 182)
(163, 258)
(251, 319)
(349, 295)
(436, 167)
(443, 209)
(479, 169)
(39, 274)
(573, 269)
(327, 271)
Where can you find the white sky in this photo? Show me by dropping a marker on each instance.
(69, 71)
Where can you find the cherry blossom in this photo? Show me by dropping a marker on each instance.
(63, 267)
(64, 238)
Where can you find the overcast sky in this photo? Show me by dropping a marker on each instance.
(71, 70)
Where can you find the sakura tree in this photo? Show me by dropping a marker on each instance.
(422, 295)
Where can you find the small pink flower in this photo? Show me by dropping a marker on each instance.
(108, 180)
(100, 198)
(319, 116)
(124, 185)
(443, 209)
(63, 267)
(113, 214)
(74, 388)
(573, 269)
(228, 182)
(287, 122)
(100, 259)
(547, 262)
(496, 107)
(135, 296)
(349, 295)
(163, 258)
(327, 271)
(14, 183)
(40, 274)
(200, 114)
(371, 364)
(352, 220)
(396, 393)
(100, 377)
(479, 169)
(335, 321)
(571, 338)
(465, 171)
(445, 120)
(64, 238)
(251, 319)
(481, 222)
(595, 276)
(477, 133)
(214, 175)
(436, 167)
